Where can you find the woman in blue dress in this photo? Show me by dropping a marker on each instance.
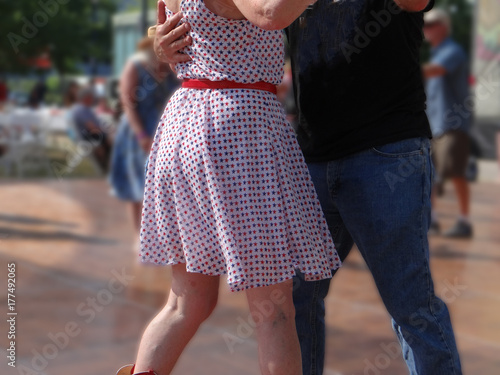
(145, 86)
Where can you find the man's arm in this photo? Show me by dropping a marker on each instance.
(169, 39)
(433, 70)
(446, 61)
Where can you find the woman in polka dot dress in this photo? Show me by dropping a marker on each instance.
(227, 189)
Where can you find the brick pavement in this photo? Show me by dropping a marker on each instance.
(74, 248)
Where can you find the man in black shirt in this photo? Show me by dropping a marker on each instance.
(365, 136)
(357, 77)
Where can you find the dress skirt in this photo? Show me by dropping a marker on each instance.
(228, 192)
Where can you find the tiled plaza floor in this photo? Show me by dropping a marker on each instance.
(82, 300)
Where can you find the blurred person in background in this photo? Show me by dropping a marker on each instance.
(71, 94)
(145, 86)
(4, 93)
(103, 107)
(88, 127)
(70, 98)
(37, 95)
(34, 100)
(4, 96)
(450, 116)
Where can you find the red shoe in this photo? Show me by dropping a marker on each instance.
(129, 370)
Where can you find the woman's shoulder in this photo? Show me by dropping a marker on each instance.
(138, 58)
(137, 63)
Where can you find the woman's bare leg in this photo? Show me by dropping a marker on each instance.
(273, 312)
(192, 299)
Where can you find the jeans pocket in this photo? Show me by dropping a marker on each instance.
(402, 149)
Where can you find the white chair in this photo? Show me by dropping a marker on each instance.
(56, 124)
(25, 143)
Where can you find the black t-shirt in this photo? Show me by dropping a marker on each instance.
(357, 77)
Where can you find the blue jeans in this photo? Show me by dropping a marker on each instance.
(380, 200)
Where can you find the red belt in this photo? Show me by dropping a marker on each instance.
(203, 84)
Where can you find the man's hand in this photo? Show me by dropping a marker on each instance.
(169, 39)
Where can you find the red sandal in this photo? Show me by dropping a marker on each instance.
(129, 370)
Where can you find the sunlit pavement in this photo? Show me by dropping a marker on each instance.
(82, 300)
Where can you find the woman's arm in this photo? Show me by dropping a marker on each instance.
(278, 14)
(272, 14)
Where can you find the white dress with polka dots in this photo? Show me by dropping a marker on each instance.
(227, 189)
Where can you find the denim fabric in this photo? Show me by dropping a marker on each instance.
(126, 175)
(380, 199)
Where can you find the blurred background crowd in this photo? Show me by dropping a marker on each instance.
(52, 51)
(56, 55)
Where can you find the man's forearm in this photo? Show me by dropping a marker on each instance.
(433, 70)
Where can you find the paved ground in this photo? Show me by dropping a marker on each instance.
(82, 300)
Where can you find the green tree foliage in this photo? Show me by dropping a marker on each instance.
(70, 31)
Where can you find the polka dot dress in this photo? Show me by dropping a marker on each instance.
(227, 189)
